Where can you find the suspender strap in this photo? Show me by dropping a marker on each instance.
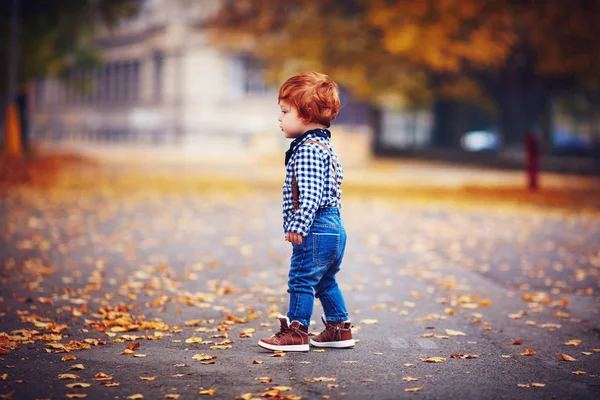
(296, 190)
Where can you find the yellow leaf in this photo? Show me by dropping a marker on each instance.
(319, 351)
(435, 359)
(203, 357)
(586, 353)
(136, 396)
(77, 384)
(410, 379)
(573, 342)
(147, 378)
(68, 376)
(281, 388)
(579, 372)
(454, 333)
(101, 376)
(77, 366)
(415, 389)
(208, 392)
(257, 362)
(567, 357)
(264, 379)
(76, 396)
(194, 340)
(523, 385)
(369, 321)
(69, 358)
(536, 384)
(171, 396)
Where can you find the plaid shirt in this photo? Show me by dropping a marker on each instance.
(316, 181)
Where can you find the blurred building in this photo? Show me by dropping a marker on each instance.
(163, 82)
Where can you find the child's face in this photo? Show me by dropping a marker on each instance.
(290, 122)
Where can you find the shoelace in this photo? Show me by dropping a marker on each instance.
(282, 331)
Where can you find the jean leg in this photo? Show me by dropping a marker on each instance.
(302, 278)
(329, 292)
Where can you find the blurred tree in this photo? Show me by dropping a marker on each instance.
(507, 55)
(55, 36)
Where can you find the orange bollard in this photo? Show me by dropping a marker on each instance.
(12, 132)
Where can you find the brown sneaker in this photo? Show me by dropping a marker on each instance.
(336, 334)
(291, 337)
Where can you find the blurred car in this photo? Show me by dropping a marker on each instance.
(480, 140)
(563, 141)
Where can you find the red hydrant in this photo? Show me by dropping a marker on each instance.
(532, 160)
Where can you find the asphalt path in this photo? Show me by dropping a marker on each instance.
(420, 280)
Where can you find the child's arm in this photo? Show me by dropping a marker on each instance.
(310, 170)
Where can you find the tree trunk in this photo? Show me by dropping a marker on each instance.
(23, 107)
(375, 116)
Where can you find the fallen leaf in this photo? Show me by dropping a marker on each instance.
(573, 342)
(567, 357)
(171, 396)
(579, 372)
(410, 379)
(537, 384)
(136, 396)
(434, 359)
(257, 362)
(464, 356)
(208, 392)
(110, 384)
(528, 352)
(264, 379)
(412, 390)
(523, 385)
(333, 385)
(517, 342)
(319, 351)
(101, 376)
(77, 367)
(193, 340)
(77, 384)
(147, 378)
(68, 376)
(455, 333)
(203, 357)
(140, 355)
(587, 353)
(69, 358)
(76, 396)
(133, 346)
(369, 321)
(367, 380)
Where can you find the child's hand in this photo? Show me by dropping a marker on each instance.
(293, 237)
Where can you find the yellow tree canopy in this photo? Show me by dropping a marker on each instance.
(381, 47)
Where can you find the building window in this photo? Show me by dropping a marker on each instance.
(247, 77)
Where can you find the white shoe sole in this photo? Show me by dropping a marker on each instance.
(296, 347)
(337, 345)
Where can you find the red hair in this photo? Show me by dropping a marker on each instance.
(314, 95)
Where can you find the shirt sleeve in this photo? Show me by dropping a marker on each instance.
(310, 174)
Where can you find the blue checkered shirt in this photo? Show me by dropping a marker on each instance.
(316, 181)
